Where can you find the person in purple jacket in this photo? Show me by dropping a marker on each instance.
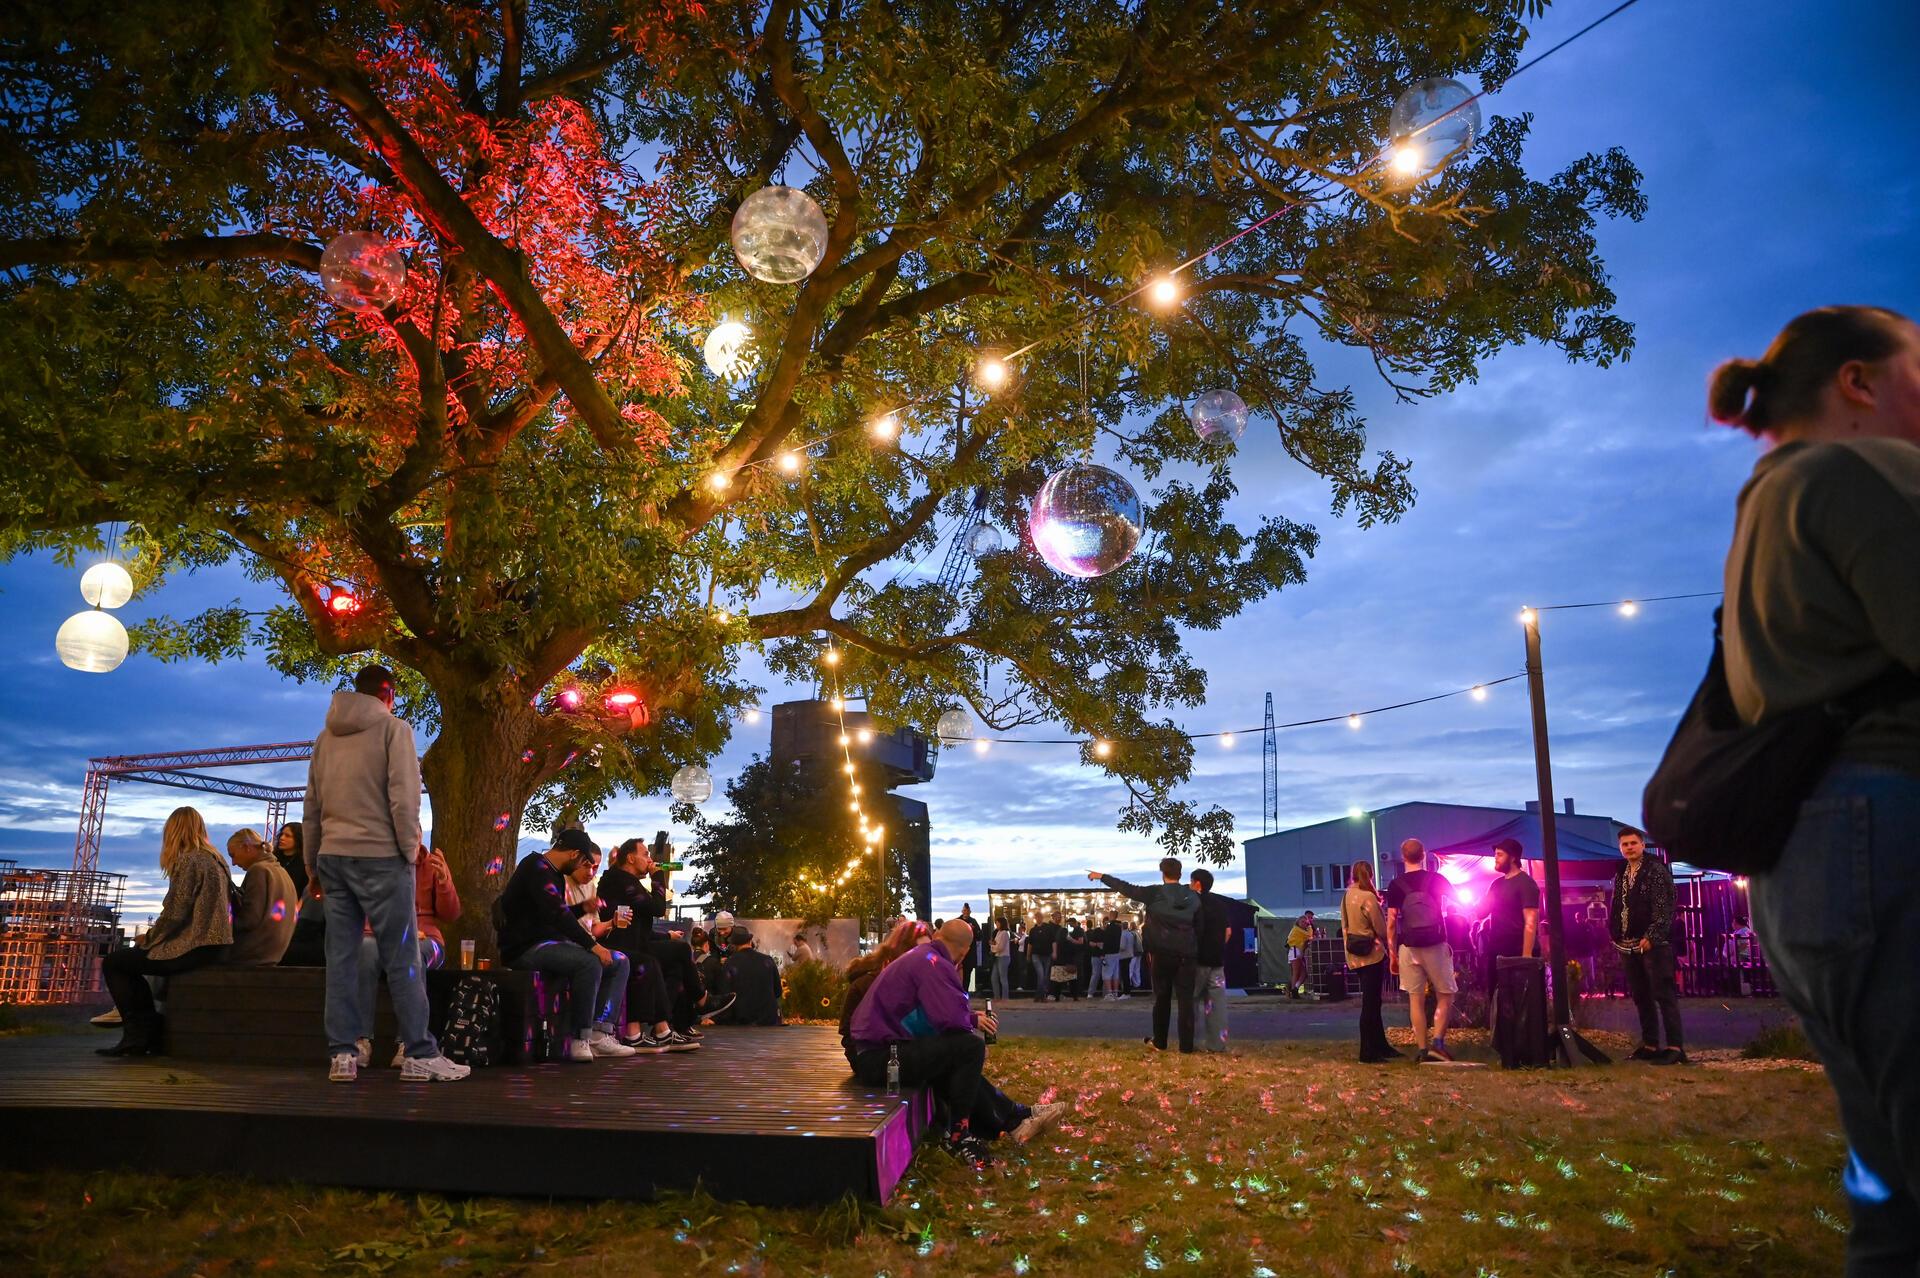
(917, 1008)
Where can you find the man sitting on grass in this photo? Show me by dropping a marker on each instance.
(916, 1008)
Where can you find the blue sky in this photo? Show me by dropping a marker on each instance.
(1776, 142)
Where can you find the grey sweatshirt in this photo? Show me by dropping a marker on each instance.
(363, 784)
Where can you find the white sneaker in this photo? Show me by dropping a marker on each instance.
(579, 1050)
(433, 1069)
(109, 1017)
(344, 1069)
(363, 1050)
(1041, 1118)
(601, 1043)
(399, 1055)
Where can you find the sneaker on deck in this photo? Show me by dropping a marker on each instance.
(109, 1017)
(601, 1043)
(645, 1044)
(675, 1041)
(1038, 1120)
(433, 1069)
(579, 1051)
(344, 1068)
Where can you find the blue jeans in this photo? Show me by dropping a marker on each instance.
(1840, 919)
(377, 890)
(999, 986)
(595, 988)
(431, 957)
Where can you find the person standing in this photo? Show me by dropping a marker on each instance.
(1642, 929)
(1172, 944)
(1129, 959)
(1417, 949)
(1297, 938)
(1210, 970)
(194, 929)
(263, 918)
(436, 901)
(971, 958)
(1363, 928)
(361, 822)
(1002, 959)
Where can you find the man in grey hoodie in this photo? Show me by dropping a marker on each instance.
(362, 831)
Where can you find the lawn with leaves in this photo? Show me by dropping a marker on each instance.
(1281, 1159)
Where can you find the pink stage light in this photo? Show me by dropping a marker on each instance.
(569, 698)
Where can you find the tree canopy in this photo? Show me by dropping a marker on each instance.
(521, 468)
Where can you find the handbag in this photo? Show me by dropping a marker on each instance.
(1359, 944)
(1727, 795)
(1061, 974)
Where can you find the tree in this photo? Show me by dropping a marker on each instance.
(520, 469)
(791, 848)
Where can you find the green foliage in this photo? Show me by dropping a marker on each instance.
(511, 465)
(1782, 1041)
(814, 991)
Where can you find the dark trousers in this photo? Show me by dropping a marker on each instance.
(125, 972)
(647, 1002)
(681, 976)
(947, 1064)
(1172, 978)
(1373, 1031)
(992, 1115)
(1656, 994)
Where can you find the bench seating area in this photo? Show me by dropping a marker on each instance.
(275, 1015)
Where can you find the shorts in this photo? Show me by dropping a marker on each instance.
(1295, 954)
(1424, 966)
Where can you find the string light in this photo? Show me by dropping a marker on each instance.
(722, 616)
(790, 463)
(831, 657)
(1102, 749)
(886, 428)
(719, 481)
(1353, 721)
(1164, 292)
(751, 716)
(981, 745)
(992, 373)
(1528, 616)
(1479, 692)
(837, 704)
(864, 735)
(843, 738)
(1226, 741)
(1629, 608)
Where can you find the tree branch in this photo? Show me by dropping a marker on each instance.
(256, 246)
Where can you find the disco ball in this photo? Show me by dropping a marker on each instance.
(1085, 520)
(91, 641)
(106, 585)
(362, 272)
(955, 725)
(1217, 414)
(692, 784)
(729, 351)
(779, 234)
(1434, 122)
(984, 539)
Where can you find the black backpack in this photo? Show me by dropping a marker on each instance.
(1727, 795)
(1423, 919)
(473, 1022)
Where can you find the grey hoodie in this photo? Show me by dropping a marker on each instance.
(363, 784)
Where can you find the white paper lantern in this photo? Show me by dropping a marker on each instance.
(984, 540)
(729, 352)
(779, 234)
(1086, 520)
(1435, 122)
(106, 585)
(92, 641)
(692, 784)
(362, 272)
(955, 725)
(1217, 415)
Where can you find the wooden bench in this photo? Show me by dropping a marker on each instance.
(276, 1015)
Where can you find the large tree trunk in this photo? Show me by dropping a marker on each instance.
(479, 786)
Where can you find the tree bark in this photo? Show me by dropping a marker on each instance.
(475, 776)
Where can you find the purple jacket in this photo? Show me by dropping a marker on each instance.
(924, 978)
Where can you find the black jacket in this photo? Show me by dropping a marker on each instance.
(1645, 909)
(617, 888)
(1212, 927)
(533, 908)
(1172, 911)
(755, 978)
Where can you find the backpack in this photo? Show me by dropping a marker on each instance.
(1726, 795)
(473, 1022)
(1171, 914)
(1422, 920)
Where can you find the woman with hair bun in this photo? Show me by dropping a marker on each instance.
(1822, 600)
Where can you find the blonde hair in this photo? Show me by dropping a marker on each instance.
(185, 834)
(1363, 876)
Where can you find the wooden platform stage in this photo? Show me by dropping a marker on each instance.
(739, 1116)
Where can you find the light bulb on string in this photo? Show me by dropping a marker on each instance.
(728, 350)
(1629, 608)
(1102, 749)
(981, 745)
(791, 462)
(719, 481)
(1479, 692)
(722, 616)
(751, 716)
(885, 428)
(865, 735)
(1164, 292)
(845, 739)
(1353, 721)
(847, 767)
(838, 704)
(1528, 616)
(992, 373)
(832, 657)
(1226, 741)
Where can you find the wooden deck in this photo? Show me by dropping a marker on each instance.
(737, 1116)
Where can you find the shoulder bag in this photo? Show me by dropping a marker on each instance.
(1359, 944)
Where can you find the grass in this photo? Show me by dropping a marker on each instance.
(1281, 1159)
(1783, 1041)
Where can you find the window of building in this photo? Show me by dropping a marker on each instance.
(1313, 878)
(1340, 876)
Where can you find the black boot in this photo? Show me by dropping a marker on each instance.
(137, 1038)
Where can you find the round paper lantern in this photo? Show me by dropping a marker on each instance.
(984, 539)
(728, 350)
(779, 234)
(1434, 122)
(1085, 521)
(106, 585)
(692, 784)
(955, 725)
(362, 272)
(1218, 414)
(91, 641)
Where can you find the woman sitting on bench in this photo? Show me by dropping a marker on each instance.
(194, 929)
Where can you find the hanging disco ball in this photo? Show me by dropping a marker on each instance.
(106, 585)
(779, 234)
(692, 784)
(729, 350)
(362, 272)
(1218, 414)
(955, 726)
(984, 539)
(91, 641)
(1085, 520)
(1435, 121)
